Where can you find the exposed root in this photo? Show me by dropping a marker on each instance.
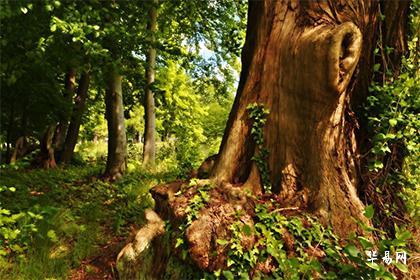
(140, 251)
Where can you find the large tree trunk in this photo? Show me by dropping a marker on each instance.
(61, 128)
(117, 144)
(149, 148)
(76, 118)
(298, 62)
(306, 62)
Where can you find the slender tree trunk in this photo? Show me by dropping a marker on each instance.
(61, 128)
(149, 148)
(22, 146)
(76, 118)
(117, 146)
(46, 156)
(10, 131)
(19, 150)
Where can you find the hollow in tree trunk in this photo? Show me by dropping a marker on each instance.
(149, 148)
(76, 118)
(117, 144)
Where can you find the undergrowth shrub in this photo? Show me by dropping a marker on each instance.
(393, 114)
(53, 220)
(299, 247)
(293, 246)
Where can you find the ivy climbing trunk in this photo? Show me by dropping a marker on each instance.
(76, 118)
(149, 147)
(117, 144)
(63, 123)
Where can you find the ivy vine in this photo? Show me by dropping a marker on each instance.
(258, 115)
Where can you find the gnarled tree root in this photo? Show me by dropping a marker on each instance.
(148, 255)
(139, 259)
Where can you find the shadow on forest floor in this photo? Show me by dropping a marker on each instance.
(69, 223)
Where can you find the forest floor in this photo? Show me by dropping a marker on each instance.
(69, 223)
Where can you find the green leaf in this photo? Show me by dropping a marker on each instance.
(52, 235)
(24, 10)
(244, 276)
(369, 211)
(403, 235)
(374, 266)
(402, 267)
(393, 122)
(222, 242)
(352, 250)
(247, 230)
(366, 244)
(228, 275)
(179, 242)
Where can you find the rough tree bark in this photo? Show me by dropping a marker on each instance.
(20, 149)
(61, 128)
(46, 156)
(117, 144)
(76, 118)
(149, 100)
(298, 61)
(307, 62)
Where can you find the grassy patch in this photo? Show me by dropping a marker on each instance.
(55, 221)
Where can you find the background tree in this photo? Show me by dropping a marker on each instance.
(149, 147)
(76, 118)
(117, 145)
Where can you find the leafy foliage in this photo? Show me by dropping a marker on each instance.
(299, 247)
(180, 115)
(393, 114)
(52, 220)
(258, 116)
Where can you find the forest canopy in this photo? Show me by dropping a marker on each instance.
(170, 139)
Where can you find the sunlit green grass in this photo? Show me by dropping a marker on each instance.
(77, 215)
